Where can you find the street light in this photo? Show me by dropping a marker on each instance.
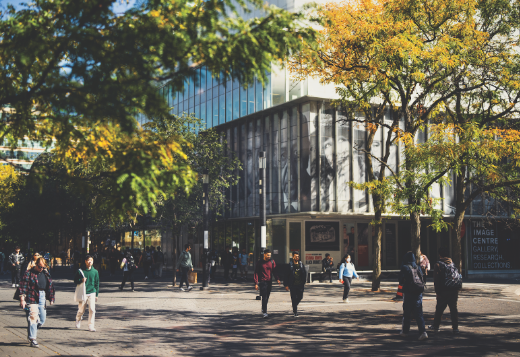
(205, 210)
(261, 192)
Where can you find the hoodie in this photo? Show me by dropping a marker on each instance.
(405, 275)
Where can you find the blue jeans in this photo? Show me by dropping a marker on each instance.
(412, 305)
(36, 315)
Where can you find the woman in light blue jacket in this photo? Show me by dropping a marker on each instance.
(346, 272)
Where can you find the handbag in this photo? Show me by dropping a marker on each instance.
(192, 277)
(81, 291)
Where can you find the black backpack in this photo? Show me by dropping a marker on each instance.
(417, 283)
(130, 262)
(452, 278)
(148, 257)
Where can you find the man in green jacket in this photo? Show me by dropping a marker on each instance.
(185, 264)
(90, 277)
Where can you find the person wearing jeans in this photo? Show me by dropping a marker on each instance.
(91, 281)
(264, 271)
(35, 288)
(412, 303)
(346, 272)
(184, 264)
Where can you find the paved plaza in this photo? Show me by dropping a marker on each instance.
(158, 320)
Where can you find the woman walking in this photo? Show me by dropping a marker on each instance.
(346, 272)
(35, 288)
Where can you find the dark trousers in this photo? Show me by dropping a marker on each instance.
(412, 306)
(226, 272)
(296, 296)
(184, 277)
(346, 286)
(128, 275)
(146, 269)
(265, 291)
(15, 273)
(447, 298)
(234, 273)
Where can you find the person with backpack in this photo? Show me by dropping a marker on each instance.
(264, 271)
(128, 265)
(346, 272)
(295, 281)
(447, 281)
(159, 261)
(147, 261)
(184, 263)
(412, 281)
(244, 262)
(16, 259)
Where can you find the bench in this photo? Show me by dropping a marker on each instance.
(311, 273)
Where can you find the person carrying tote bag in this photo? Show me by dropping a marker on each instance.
(81, 292)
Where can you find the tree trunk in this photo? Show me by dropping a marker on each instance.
(376, 243)
(174, 255)
(416, 234)
(460, 212)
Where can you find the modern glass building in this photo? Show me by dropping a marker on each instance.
(313, 151)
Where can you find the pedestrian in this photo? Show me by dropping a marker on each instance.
(447, 282)
(2, 260)
(32, 263)
(35, 289)
(113, 260)
(346, 272)
(226, 261)
(244, 262)
(213, 260)
(128, 265)
(295, 281)
(264, 271)
(184, 264)
(327, 266)
(412, 281)
(159, 261)
(234, 265)
(48, 258)
(153, 267)
(16, 259)
(90, 276)
(146, 261)
(424, 263)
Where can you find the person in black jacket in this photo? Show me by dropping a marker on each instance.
(328, 264)
(16, 259)
(412, 281)
(445, 296)
(295, 281)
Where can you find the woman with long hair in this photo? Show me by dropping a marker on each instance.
(346, 272)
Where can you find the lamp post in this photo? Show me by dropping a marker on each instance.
(261, 192)
(205, 210)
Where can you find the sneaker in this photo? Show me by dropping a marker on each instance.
(296, 314)
(91, 329)
(423, 336)
(145, 278)
(456, 331)
(182, 289)
(17, 285)
(78, 324)
(402, 334)
(39, 326)
(133, 290)
(265, 316)
(190, 287)
(14, 285)
(120, 288)
(34, 344)
(347, 300)
(433, 329)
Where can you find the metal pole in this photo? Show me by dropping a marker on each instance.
(262, 193)
(205, 209)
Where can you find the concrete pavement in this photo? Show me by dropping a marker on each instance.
(158, 320)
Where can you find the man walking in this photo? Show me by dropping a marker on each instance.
(327, 265)
(227, 258)
(128, 265)
(412, 281)
(159, 261)
(90, 277)
(295, 281)
(448, 282)
(146, 261)
(244, 262)
(264, 271)
(184, 264)
(35, 288)
(16, 259)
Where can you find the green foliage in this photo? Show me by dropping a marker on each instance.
(71, 68)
